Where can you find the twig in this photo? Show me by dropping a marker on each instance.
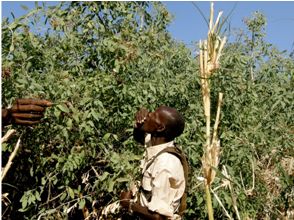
(95, 171)
(249, 191)
(60, 206)
(8, 134)
(11, 157)
(242, 182)
(253, 176)
(234, 201)
(221, 204)
(51, 200)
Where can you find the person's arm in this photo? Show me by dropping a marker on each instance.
(139, 133)
(137, 209)
(145, 213)
(25, 112)
(6, 117)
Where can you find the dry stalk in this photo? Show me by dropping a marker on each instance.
(95, 171)
(221, 204)
(234, 200)
(11, 157)
(249, 191)
(210, 52)
(8, 134)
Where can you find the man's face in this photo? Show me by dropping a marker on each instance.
(154, 121)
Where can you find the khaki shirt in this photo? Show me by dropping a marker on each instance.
(164, 180)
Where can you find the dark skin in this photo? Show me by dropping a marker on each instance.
(25, 112)
(137, 209)
(154, 123)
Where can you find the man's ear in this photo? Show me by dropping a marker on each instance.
(160, 128)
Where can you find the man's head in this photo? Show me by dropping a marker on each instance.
(164, 122)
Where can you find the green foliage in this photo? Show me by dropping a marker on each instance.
(99, 62)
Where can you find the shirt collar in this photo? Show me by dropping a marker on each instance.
(153, 150)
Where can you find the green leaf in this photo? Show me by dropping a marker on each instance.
(71, 192)
(57, 113)
(63, 108)
(110, 186)
(95, 115)
(82, 203)
(24, 202)
(31, 199)
(43, 181)
(32, 171)
(69, 123)
(104, 176)
(106, 136)
(199, 201)
(37, 195)
(115, 137)
(76, 117)
(122, 179)
(91, 123)
(63, 196)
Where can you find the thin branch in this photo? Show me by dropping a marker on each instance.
(234, 201)
(242, 182)
(8, 134)
(95, 171)
(50, 211)
(11, 157)
(221, 204)
(253, 176)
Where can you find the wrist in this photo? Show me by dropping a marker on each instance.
(6, 116)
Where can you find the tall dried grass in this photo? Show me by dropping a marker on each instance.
(210, 53)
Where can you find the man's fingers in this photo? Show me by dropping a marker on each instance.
(27, 116)
(27, 108)
(141, 115)
(40, 102)
(25, 122)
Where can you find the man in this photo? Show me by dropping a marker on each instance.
(163, 182)
(25, 112)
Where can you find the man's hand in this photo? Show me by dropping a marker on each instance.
(125, 198)
(28, 111)
(140, 117)
(137, 209)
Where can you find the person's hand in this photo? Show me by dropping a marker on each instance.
(125, 198)
(28, 111)
(140, 117)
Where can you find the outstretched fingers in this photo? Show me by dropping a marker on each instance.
(27, 108)
(39, 102)
(25, 122)
(27, 116)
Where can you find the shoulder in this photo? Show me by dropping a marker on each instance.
(168, 161)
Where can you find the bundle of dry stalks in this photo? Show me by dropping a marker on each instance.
(210, 52)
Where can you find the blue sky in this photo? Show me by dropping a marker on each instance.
(189, 26)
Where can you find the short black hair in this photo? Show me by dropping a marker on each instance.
(175, 124)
